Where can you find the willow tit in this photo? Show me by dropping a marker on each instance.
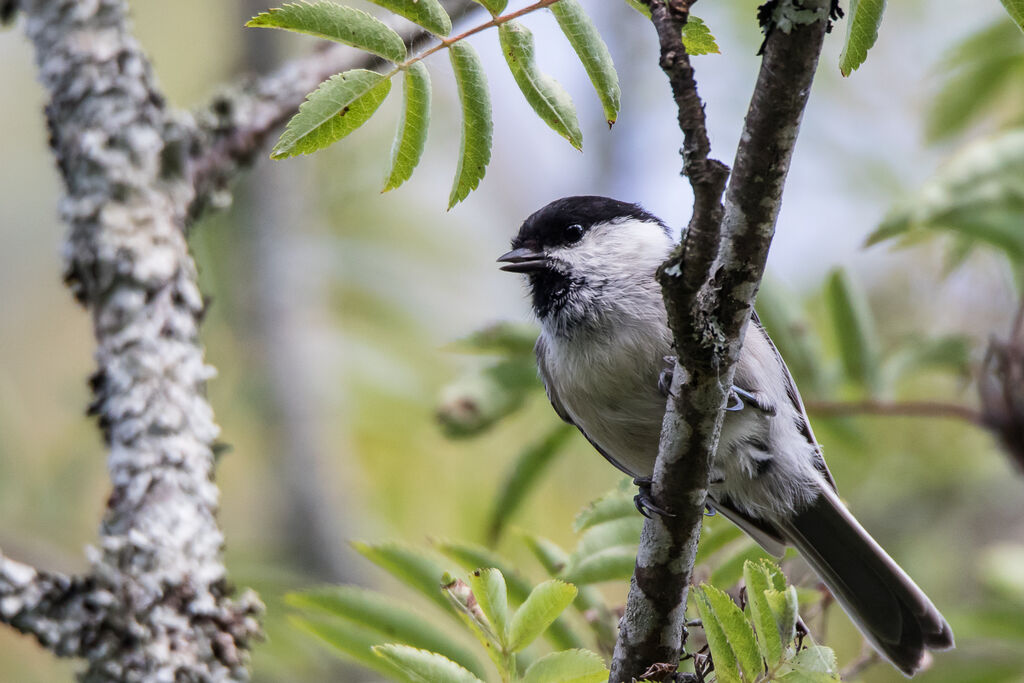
(602, 354)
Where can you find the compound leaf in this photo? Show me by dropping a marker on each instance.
(475, 148)
(551, 102)
(426, 13)
(421, 665)
(338, 23)
(411, 136)
(341, 104)
(593, 53)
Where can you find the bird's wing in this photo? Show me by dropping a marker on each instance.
(549, 388)
(798, 404)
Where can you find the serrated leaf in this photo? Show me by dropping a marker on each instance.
(1015, 8)
(544, 604)
(547, 98)
(816, 658)
(489, 590)
(409, 566)
(550, 555)
(351, 642)
(769, 641)
(473, 556)
(610, 506)
(865, 16)
(395, 622)
(784, 606)
(426, 13)
(727, 666)
(855, 331)
(697, 38)
(568, 666)
(493, 6)
(338, 23)
(613, 564)
(736, 628)
(593, 54)
(475, 146)
(411, 136)
(801, 676)
(337, 107)
(421, 665)
(527, 470)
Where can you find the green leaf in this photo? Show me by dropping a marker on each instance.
(395, 622)
(503, 339)
(526, 472)
(548, 99)
(409, 566)
(480, 398)
(489, 590)
(730, 571)
(1015, 8)
(801, 676)
(337, 107)
(411, 136)
(977, 196)
(784, 606)
(542, 607)
(640, 7)
(473, 557)
(816, 658)
(475, 147)
(426, 13)
(715, 537)
(727, 667)
(769, 640)
(612, 505)
(865, 16)
(424, 666)
(338, 23)
(568, 666)
(855, 331)
(697, 38)
(736, 628)
(493, 6)
(351, 642)
(785, 319)
(593, 54)
(612, 564)
(615, 532)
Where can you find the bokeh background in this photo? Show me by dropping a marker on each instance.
(334, 309)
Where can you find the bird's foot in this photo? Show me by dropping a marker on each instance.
(665, 376)
(644, 499)
(738, 398)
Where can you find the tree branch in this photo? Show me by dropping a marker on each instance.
(709, 285)
(932, 409)
(228, 133)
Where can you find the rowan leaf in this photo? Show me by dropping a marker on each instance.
(421, 665)
(351, 642)
(426, 13)
(855, 330)
(865, 16)
(1015, 8)
(593, 53)
(493, 6)
(737, 630)
(335, 22)
(545, 602)
(337, 107)
(411, 136)
(547, 98)
(408, 565)
(489, 589)
(697, 38)
(769, 640)
(568, 666)
(475, 147)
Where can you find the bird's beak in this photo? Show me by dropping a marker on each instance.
(523, 260)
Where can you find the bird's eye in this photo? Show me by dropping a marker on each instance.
(574, 232)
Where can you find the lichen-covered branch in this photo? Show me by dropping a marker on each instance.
(709, 285)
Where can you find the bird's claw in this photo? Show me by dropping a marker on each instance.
(665, 376)
(644, 499)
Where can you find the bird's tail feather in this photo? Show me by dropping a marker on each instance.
(885, 604)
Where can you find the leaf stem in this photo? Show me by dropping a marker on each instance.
(448, 42)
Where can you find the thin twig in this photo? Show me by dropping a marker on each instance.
(867, 657)
(926, 409)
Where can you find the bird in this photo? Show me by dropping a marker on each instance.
(605, 354)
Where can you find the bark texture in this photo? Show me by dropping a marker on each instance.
(155, 604)
(709, 285)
